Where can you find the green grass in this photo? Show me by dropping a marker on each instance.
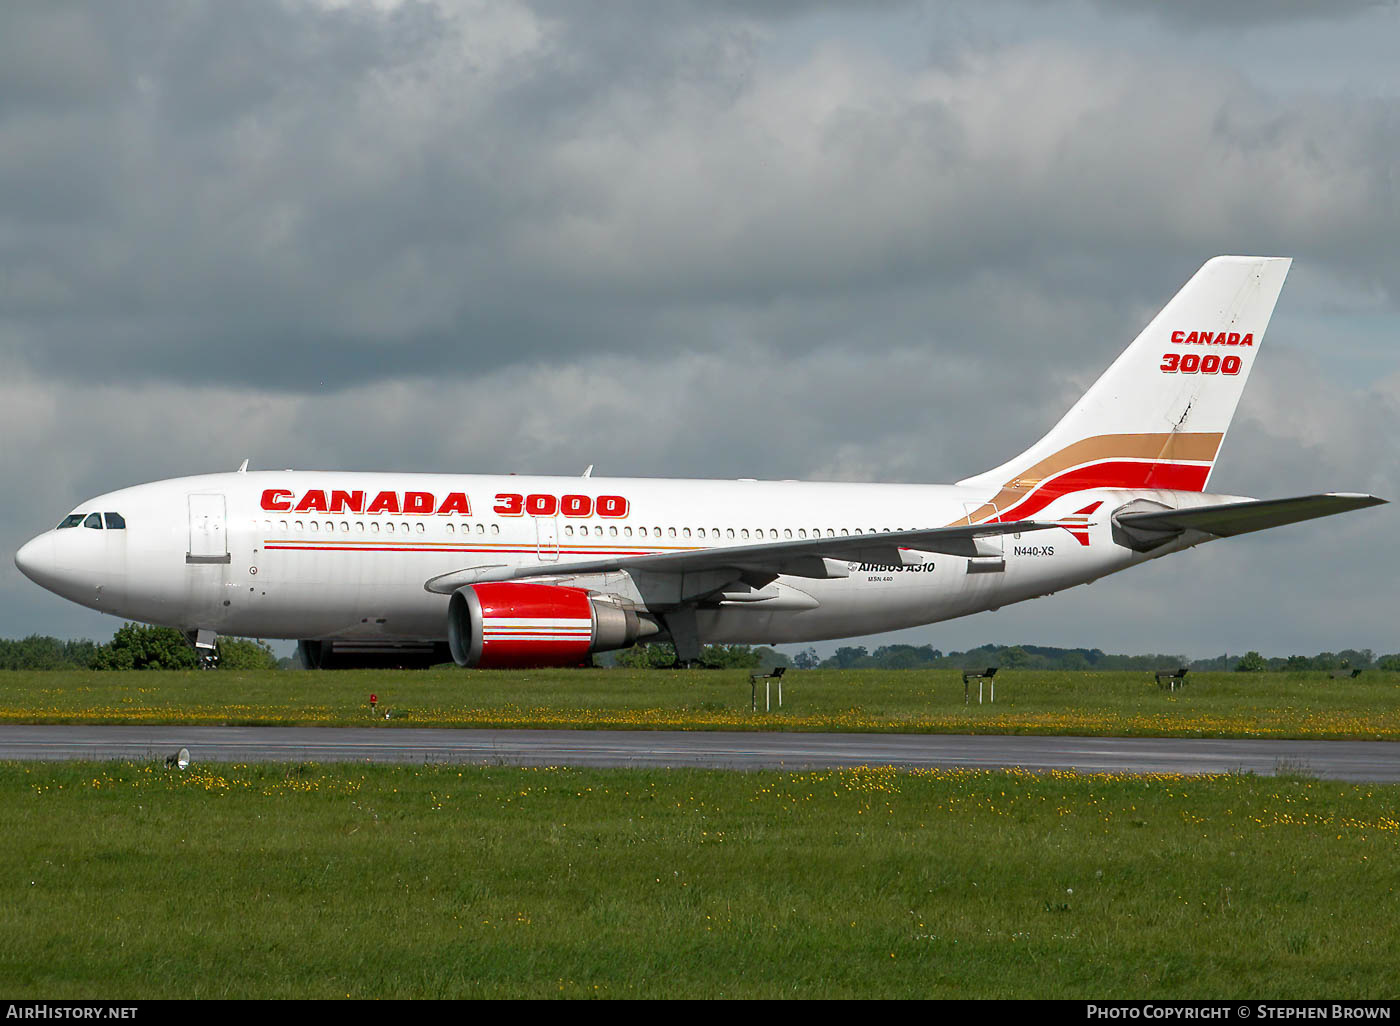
(131, 881)
(1284, 705)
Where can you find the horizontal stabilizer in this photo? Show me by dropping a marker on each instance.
(1232, 518)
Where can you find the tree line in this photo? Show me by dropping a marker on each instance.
(1021, 657)
(140, 647)
(1045, 657)
(134, 647)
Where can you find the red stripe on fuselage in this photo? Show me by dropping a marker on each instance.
(447, 547)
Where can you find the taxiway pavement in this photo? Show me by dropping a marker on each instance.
(1339, 760)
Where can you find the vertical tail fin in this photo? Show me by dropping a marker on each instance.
(1158, 415)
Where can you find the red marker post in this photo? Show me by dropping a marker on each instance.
(373, 701)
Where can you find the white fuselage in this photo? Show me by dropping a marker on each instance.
(346, 556)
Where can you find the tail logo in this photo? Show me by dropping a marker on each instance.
(1077, 524)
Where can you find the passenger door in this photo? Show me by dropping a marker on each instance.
(208, 530)
(547, 539)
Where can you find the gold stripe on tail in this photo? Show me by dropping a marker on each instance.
(1159, 447)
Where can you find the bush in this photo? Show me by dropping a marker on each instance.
(137, 646)
(1251, 662)
(41, 652)
(244, 654)
(646, 657)
(734, 657)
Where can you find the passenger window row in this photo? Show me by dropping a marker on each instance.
(116, 522)
(731, 533)
(756, 534)
(361, 527)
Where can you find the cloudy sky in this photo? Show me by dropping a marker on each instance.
(824, 240)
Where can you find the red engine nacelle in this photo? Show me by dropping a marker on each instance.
(495, 626)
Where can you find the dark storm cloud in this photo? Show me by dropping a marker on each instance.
(334, 191)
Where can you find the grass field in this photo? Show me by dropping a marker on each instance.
(1279, 705)
(131, 881)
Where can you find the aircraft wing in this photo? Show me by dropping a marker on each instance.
(1229, 519)
(809, 557)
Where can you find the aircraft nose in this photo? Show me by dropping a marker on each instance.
(36, 560)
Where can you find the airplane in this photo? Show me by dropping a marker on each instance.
(377, 569)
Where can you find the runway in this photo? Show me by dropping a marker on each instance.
(1377, 761)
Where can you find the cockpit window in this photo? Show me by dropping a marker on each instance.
(94, 520)
(115, 521)
(71, 520)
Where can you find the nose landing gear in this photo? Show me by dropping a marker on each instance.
(205, 644)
